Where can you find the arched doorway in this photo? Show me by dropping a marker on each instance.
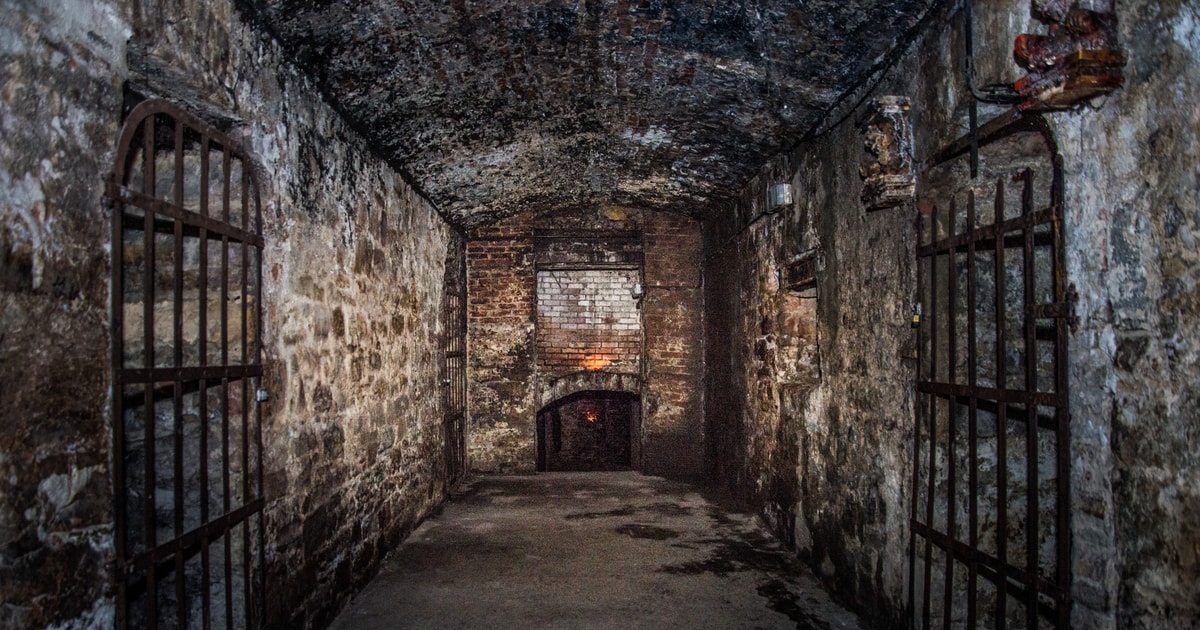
(592, 430)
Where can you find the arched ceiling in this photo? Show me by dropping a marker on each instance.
(495, 107)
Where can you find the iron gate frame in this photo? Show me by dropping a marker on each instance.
(454, 358)
(142, 208)
(1050, 596)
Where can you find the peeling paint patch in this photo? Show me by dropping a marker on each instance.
(653, 137)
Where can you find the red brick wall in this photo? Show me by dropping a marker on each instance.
(673, 430)
(498, 283)
(500, 292)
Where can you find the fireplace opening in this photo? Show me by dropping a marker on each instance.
(588, 431)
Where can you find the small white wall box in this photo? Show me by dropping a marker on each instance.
(779, 195)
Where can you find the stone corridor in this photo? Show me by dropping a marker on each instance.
(916, 283)
(591, 550)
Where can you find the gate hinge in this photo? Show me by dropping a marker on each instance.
(1059, 310)
(109, 198)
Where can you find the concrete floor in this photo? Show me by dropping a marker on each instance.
(590, 550)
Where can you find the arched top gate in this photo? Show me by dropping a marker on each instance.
(990, 537)
(186, 365)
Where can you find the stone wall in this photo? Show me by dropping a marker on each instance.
(810, 395)
(513, 356)
(60, 114)
(1133, 213)
(810, 420)
(353, 273)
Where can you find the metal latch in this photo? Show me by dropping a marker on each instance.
(1058, 310)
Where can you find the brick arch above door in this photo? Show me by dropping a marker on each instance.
(554, 389)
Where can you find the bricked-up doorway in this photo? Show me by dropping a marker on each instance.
(588, 431)
(588, 318)
(186, 309)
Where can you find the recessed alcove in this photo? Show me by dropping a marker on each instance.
(588, 431)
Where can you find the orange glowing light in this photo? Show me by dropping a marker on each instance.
(591, 417)
(595, 363)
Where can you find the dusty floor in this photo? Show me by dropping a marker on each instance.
(590, 550)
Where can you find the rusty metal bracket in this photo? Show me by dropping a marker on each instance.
(800, 274)
(1077, 59)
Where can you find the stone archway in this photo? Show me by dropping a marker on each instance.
(559, 387)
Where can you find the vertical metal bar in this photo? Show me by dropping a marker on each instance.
(258, 605)
(1031, 410)
(972, 418)
(117, 332)
(973, 132)
(148, 177)
(462, 361)
(226, 502)
(245, 524)
(245, 360)
(1062, 417)
(245, 185)
(225, 485)
(444, 373)
(148, 503)
(258, 218)
(452, 383)
(202, 278)
(180, 582)
(226, 187)
(952, 413)
(932, 420)
(258, 438)
(151, 536)
(177, 191)
(462, 367)
(451, 366)
(148, 164)
(202, 340)
(1001, 420)
(916, 479)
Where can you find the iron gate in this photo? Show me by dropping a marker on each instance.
(454, 365)
(186, 300)
(990, 538)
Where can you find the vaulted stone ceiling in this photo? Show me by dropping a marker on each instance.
(493, 107)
